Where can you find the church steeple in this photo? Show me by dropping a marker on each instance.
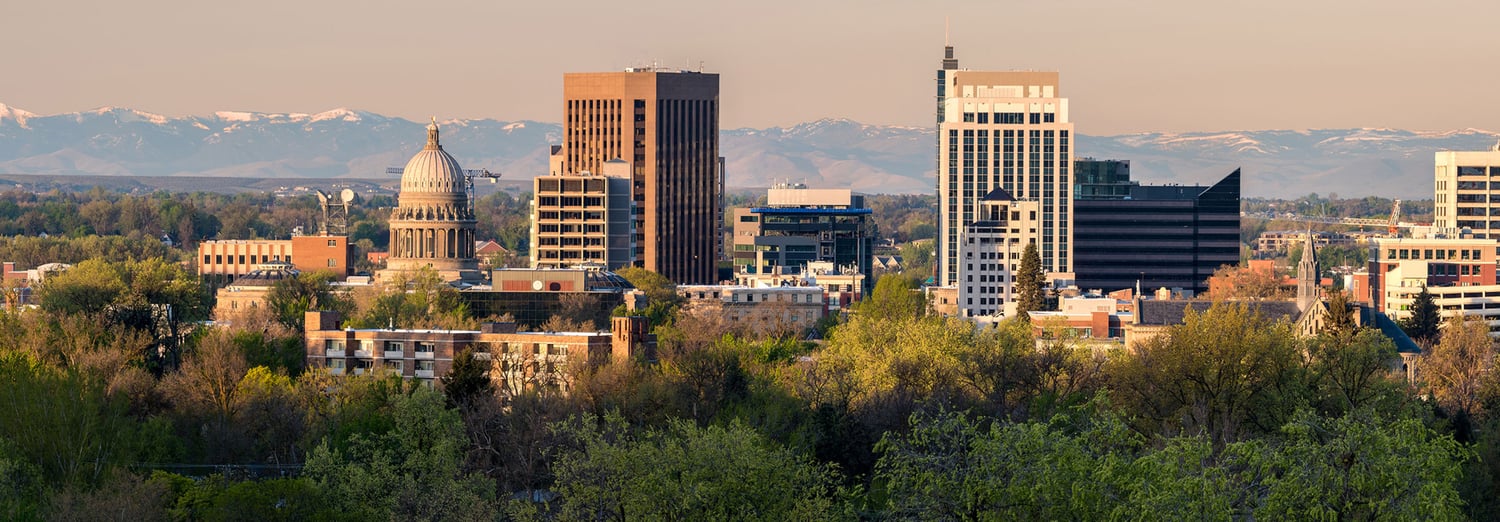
(1308, 273)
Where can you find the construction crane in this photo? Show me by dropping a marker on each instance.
(1395, 216)
(1392, 224)
(469, 175)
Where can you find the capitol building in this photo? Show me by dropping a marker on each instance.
(433, 224)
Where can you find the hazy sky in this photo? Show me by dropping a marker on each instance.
(1127, 66)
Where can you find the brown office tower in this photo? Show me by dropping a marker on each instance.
(666, 125)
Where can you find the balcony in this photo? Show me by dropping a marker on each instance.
(394, 354)
(424, 374)
(362, 354)
(335, 371)
(333, 352)
(424, 355)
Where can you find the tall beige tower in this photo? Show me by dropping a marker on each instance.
(1004, 130)
(665, 125)
(1467, 190)
(433, 224)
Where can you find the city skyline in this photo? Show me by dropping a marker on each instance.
(1298, 65)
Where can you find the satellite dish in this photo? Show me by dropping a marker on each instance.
(347, 195)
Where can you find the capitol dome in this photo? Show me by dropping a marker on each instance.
(432, 171)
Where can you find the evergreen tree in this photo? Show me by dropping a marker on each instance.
(1338, 318)
(1029, 283)
(1422, 325)
(469, 378)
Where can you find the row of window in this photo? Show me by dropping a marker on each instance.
(1438, 254)
(1010, 118)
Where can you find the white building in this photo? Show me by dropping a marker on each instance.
(1467, 190)
(1005, 130)
(990, 255)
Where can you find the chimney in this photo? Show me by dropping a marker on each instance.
(317, 321)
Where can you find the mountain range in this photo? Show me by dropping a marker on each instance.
(824, 153)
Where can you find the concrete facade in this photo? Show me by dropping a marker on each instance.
(665, 125)
(990, 255)
(1460, 273)
(1007, 130)
(1467, 191)
(224, 260)
(583, 218)
(519, 360)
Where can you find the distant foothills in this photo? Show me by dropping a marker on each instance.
(344, 143)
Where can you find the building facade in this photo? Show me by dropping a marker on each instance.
(583, 218)
(763, 310)
(519, 360)
(1159, 237)
(1467, 191)
(1460, 273)
(1005, 130)
(1102, 179)
(798, 226)
(665, 125)
(219, 262)
(433, 223)
(990, 254)
(842, 287)
(531, 296)
(247, 294)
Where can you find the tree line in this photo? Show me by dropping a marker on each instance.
(900, 413)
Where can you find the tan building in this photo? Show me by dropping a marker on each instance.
(583, 218)
(433, 223)
(666, 126)
(519, 360)
(222, 261)
(1007, 130)
(766, 309)
(247, 293)
(1467, 190)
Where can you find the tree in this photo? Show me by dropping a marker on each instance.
(468, 380)
(894, 298)
(411, 472)
(291, 298)
(1225, 372)
(1231, 282)
(1356, 467)
(1422, 324)
(1458, 370)
(1338, 318)
(1029, 281)
(684, 472)
(1351, 370)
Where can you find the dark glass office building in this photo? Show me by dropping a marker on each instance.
(1168, 236)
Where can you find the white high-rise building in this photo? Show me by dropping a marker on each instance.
(1007, 130)
(990, 255)
(1467, 190)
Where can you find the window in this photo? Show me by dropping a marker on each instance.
(205, 259)
(332, 263)
(426, 347)
(393, 346)
(333, 242)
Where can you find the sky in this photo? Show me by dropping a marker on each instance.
(1169, 66)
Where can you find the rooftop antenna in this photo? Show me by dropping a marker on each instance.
(945, 32)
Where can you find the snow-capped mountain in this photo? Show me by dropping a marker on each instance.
(825, 153)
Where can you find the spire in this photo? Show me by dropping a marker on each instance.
(1308, 274)
(432, 136)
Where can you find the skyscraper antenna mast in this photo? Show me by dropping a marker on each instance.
(945, 32)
